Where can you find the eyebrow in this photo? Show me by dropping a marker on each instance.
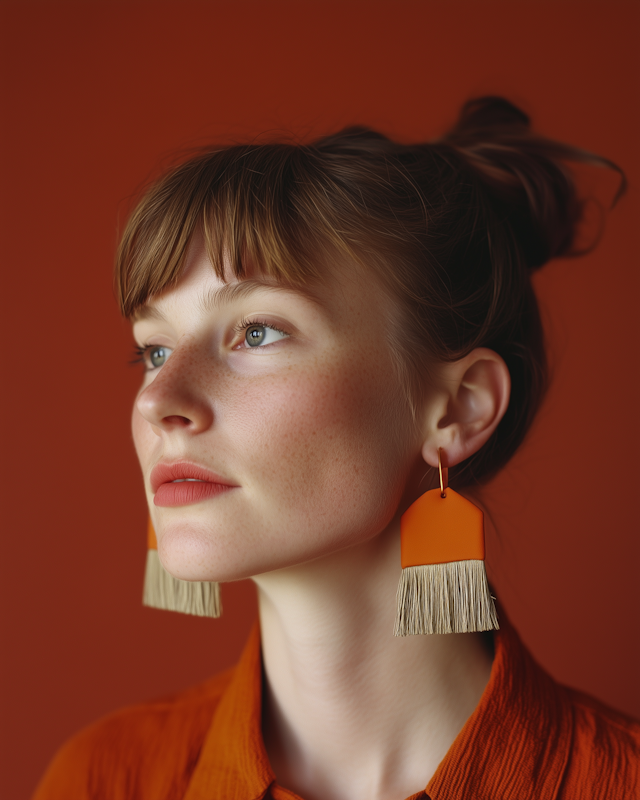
(227, 294)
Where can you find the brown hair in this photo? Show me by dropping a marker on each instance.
(453, 229)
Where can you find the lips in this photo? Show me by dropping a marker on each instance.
(182, 483)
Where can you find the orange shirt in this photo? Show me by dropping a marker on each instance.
(528, 739)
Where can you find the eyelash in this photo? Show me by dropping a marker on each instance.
(139, 352)
(245, 323)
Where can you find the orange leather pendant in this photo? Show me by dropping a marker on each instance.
(152, 542)
(438, 530)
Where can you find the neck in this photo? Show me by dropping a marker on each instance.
(350, 711)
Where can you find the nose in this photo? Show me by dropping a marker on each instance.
(175, 399)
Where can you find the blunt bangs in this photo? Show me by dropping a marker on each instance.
(255, 204)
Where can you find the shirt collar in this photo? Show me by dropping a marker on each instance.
(516, 743)
(233, 763)
(514, 746)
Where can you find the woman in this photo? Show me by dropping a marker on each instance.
(325, 330)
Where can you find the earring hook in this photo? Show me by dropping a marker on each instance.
(444, 475)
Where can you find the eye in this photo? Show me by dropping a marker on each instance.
(157, 356)
(257, 335)
(152, 356)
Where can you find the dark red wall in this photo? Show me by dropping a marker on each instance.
(96, 96)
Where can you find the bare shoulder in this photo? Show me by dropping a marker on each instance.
(605, 754)
(147, 750)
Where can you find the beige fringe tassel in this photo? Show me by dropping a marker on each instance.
(445, 598)
(162, 590)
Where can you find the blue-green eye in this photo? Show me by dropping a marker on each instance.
(152, 356)
(157, 356)
(257, 335)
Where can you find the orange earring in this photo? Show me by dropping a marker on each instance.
(161, 590)
(443, 587)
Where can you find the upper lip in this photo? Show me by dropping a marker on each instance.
(166, 472)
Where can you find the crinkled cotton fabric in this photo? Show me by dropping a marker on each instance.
(528, 739)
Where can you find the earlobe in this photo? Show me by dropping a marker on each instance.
(473, 397)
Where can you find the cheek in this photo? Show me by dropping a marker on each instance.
(323, 456)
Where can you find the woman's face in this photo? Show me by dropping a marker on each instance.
(270, 425)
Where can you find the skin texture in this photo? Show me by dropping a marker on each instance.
(320, 442)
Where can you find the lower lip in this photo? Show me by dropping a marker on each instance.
(185, 493)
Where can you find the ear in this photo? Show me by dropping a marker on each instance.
(470, 399)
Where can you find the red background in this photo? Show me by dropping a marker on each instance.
(98, 95)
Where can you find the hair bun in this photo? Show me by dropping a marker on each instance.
(492, 113)
(525, 176)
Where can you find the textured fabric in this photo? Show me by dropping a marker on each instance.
(528, 739)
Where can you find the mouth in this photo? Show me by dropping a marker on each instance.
(181, 483)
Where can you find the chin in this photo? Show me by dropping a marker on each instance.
(194, 552)
(199, 549)
(192, 557)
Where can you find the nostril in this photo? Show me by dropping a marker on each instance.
(175, 419)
